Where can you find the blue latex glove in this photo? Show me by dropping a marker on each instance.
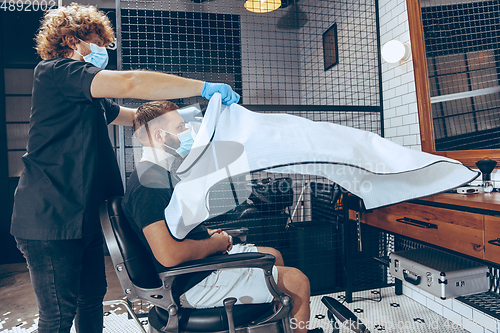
(228, 95)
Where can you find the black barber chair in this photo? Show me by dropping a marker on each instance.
(140, 281)
(265, 213)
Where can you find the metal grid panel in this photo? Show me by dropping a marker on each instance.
(272, 58)
(462, 46)
(364, 120)
(368, 273)
(275, 61)
(487, 302)
(198, 45)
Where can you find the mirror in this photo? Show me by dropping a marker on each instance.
(454, 88)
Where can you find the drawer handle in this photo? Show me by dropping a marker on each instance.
(495, 242)
(417, 223)
(413, 280)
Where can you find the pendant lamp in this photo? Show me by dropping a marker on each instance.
(262, 6)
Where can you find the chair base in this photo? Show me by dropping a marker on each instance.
(274, 327)
(210, 319)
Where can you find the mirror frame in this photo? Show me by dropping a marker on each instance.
(422, 87)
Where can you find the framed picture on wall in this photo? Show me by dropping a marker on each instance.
(330, 47)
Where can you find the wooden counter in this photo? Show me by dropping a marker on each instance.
(468, 224)
(489, 202)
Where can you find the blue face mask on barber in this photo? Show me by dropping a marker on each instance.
(98, 55)
(186, 140)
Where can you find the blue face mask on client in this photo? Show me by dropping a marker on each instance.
(98, 55)
(186, 140)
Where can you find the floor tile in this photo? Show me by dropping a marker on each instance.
(392, 314)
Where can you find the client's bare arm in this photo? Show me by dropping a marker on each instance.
(170, 252)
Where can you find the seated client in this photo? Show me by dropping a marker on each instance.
(166, 141)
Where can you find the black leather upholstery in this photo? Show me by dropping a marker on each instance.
(137, 259)
(355, 203)
(210, 320)
(273, 195)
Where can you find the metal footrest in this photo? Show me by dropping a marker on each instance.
(345, 316)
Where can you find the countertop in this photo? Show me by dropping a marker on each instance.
(484, 203)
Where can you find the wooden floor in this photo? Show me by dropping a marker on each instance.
(17, 299)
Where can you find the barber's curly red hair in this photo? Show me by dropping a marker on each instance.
(74, 20)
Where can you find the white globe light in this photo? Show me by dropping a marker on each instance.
(394, 51)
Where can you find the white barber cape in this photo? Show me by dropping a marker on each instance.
(233, 141)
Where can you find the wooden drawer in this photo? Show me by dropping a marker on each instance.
(456, 230)
(491, 238)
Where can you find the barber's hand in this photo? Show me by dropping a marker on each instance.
(228, 95)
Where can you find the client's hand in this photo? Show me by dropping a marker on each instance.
(230, 242)
(224, 241)
(213, 231)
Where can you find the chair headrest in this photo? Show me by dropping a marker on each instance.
(137, 258)
(355, 203)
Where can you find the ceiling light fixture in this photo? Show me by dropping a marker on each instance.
(262, 6)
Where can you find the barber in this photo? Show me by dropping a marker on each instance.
(70, 166)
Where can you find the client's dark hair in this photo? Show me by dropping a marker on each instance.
(146, 114)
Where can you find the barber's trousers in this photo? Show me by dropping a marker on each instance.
(69, 281)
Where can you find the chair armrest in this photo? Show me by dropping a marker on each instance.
(240, 260)
(239, 235)
(164, 296)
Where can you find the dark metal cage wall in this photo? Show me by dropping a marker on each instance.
(276, 62)
(270, 58)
